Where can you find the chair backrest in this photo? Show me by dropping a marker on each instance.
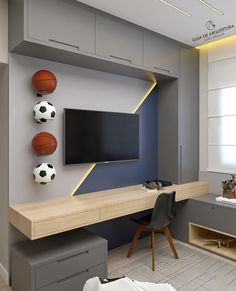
(164, 210)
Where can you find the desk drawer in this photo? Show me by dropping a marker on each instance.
(76, 281)
(69, 266)
(123, 209)
(63, 223)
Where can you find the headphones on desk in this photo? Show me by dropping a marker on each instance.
(153, 185)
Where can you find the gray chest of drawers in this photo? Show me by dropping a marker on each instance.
(59, 263)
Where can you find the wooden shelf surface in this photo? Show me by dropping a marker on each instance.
(198, 233)
(48, 217)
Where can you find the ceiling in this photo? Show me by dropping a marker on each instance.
(203, 26)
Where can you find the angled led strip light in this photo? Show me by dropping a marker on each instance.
(93, 165)
(175, 7)
(211, 7)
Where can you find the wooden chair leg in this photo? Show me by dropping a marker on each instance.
(134, 241)
(153, 249)
(169, 238)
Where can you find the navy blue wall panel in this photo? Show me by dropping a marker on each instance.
(120, 174)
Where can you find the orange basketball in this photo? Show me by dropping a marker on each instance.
(44, 82)
(44, 143)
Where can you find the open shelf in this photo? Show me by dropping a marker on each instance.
(199, 234)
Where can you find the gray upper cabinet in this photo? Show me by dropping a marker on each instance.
(160, 54)
(61, 23)
(70, 32)
(118, 40)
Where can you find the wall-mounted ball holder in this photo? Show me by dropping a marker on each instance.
(44, 173)
(44, 82)
(44, 111)
(44, 143)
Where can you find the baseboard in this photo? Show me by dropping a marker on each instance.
(4, 274)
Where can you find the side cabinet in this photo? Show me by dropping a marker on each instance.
(178, 118)
(205, 211)
(118, 41)
(62, 262)
(160, 54)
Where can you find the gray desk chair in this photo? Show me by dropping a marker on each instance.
(163, 213)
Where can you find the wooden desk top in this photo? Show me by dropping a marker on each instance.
(40, 219)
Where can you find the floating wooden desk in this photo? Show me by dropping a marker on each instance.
(53, 216)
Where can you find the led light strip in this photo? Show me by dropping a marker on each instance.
(211, 7)
(144, 97)
(175, 7)
(82, 180)
(93, 165)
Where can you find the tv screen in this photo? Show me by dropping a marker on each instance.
(96, 136)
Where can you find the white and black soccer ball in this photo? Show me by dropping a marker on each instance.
(44, 173)
(44, 111)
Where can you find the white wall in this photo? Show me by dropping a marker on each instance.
(77, 88)
(4, 31)
(217, 70)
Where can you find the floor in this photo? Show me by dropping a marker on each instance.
(195, 270)
(3, 287)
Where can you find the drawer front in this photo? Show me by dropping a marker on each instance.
(59, 224)
(123, 209)
(76, 281)
(69, 266)
(214, 216)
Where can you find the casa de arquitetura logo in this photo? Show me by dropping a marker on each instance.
(213, 31)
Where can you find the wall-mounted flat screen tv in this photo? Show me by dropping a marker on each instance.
(97, 136)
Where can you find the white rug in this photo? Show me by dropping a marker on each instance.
(195, 270)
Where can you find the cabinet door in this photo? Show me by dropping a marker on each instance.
(160, 54)
(168, 156)
(189, 116)
(118, 41)
(62, 23)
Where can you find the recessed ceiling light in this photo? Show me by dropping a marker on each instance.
(173, 6)
(211, 7)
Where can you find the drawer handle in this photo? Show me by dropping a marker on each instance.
(72, 276)
(165, 70)
(122, 59)
(72, 256)
(64, 43)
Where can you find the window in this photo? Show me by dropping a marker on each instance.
(222, 130)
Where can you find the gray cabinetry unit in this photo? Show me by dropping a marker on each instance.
(189, 116)
(205, 211)
(70, 32)
(178, 122)
(62, 262)
(160, 54)
(118, 40)
(60, 23)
